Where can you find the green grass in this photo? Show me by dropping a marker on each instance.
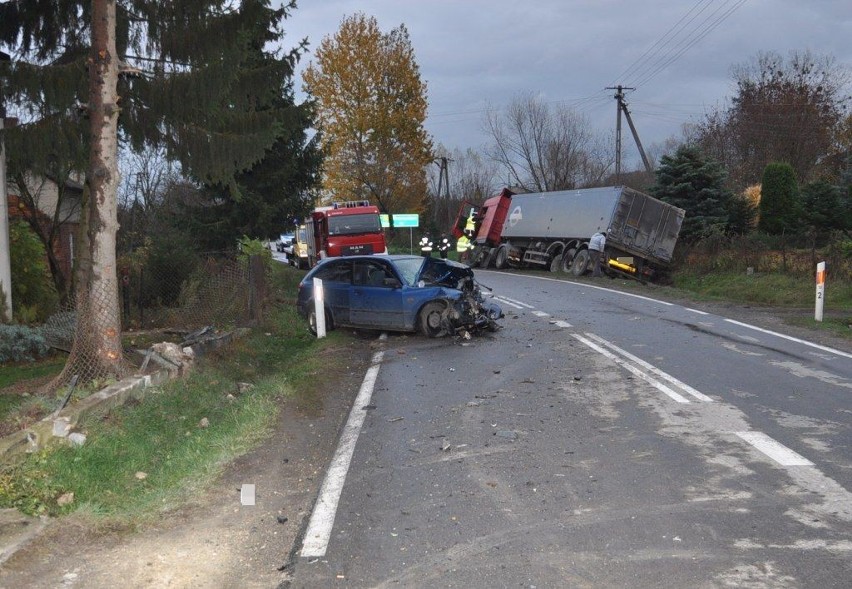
(161, 436)
(15, 373)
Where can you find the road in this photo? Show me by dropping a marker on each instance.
(599, 440)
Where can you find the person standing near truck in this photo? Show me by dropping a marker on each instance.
(597, 243)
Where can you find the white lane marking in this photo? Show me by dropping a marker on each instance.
(540, 314)
(521, 303)
(792, 339)
(651, 368)
(560, 323)
(630, 368)
(746, 325)
(505, 302)
(775, 450)
(696, 311)
(834, 546)
(325, 510)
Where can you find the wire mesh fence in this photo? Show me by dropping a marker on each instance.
(212, 291)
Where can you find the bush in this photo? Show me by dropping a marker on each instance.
(34, 297)
(19, 343)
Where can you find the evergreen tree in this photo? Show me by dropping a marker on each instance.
(780, 206)
(184, 74)
(697, 185)
(823, 207)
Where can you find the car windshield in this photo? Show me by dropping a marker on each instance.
(409, 268)
(352, 224)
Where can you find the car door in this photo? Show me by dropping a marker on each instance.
(336, 276)
(375, 304)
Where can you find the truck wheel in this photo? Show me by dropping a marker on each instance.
(567, 259)
(432, 320)
(581, 263)
(485, 260)
(501, 257)
(556, 262)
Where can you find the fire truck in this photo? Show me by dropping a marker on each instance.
(344, 229)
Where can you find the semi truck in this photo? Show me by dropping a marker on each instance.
(551, 230)
(344, 229)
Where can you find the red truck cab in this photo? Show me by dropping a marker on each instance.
(345, 229)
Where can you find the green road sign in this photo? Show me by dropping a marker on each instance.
(402, 220)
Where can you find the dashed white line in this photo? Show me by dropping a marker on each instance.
(775, 450)
(507, 302)
(563, 324)
(540, 314)
(325, 510)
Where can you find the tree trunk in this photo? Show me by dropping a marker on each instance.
(97, 351)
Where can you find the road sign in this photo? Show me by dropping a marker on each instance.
(402, 220)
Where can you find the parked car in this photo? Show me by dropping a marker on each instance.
(285, 244)
(398, 293)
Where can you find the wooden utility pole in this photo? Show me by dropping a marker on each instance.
(621, 106)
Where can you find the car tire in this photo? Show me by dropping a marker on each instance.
(432, 322)
(312, 319)
(581, 263)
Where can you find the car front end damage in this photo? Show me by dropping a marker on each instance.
(466, 311)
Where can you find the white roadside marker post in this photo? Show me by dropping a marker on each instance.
(820, 291)
(319, 307)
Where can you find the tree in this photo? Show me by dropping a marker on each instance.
(780, 206)
(545, 148)
(697, 185)
(783, 110)
(205, 97)
(468, 178)
(371, 107)
(823, 207)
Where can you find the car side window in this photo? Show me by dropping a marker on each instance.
(337, 271)
(368, 273)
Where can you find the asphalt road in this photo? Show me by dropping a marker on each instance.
(599, 440)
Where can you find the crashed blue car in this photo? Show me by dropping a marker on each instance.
(398, 293)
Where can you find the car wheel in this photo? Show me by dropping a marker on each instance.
(501, 257)
(312, 319)
(580, 263)
(432, 320)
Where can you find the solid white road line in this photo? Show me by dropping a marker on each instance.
(325, 509)
(521, 303)
(775, 450)
(629, 367)
(505, 302)
(792, 339)
(651, 368)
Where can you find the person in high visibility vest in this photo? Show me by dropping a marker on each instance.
(465, 242)
(443, 246)
(425, 246)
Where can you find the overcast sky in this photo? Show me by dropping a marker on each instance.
(677, 53)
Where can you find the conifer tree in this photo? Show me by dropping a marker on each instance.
(697, 185)
(183, 74)
(780, 206)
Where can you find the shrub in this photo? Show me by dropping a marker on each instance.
(19, 343)
(34, 297)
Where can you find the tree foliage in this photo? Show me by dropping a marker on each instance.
(783, 110)
(545, 148)
(696, 184)
(780, 205)
(371, 107)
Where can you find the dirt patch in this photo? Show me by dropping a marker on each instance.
(214, 541)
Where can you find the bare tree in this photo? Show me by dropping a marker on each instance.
(545, 148)
(469, 177)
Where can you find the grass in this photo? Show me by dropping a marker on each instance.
(162, 436)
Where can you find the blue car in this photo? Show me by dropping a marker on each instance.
(397, 293)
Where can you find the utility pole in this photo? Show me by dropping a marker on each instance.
(443, 182)
(621, 106)
(5, 256)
